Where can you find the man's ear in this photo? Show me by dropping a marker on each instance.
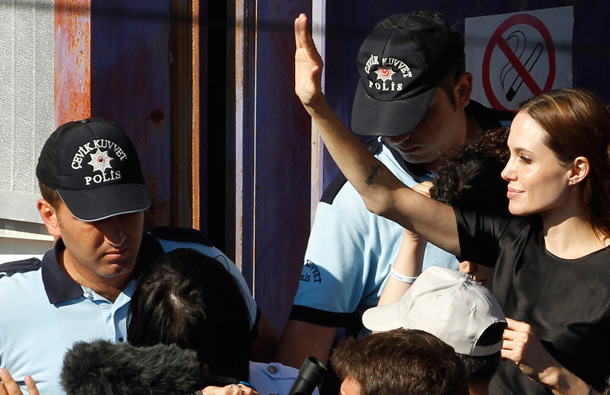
(49, 216)
(463, 90)
(579, 169)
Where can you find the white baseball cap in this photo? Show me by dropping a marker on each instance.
(447, 304)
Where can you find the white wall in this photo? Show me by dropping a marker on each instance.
(26, 119)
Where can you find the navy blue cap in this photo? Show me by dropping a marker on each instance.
(400, 64)
(95, 168)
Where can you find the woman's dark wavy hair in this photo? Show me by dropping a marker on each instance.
(189, 299)
(470, 176)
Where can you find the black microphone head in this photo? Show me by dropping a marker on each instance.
(310, 376)
(104, 368)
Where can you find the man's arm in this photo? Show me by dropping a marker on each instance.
(265, 343)
(301, 340)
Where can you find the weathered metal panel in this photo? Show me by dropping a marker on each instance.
(245, 81)
(130, 84)
(274, 158)
(72, 60)
(188, 188)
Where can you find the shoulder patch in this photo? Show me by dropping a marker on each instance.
(25, 265)
(180, 234)
(333, 189)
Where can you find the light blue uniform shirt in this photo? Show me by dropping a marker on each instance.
(35, 334)
(350, 253)
(43, 311)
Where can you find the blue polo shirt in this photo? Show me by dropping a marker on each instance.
(43, 311)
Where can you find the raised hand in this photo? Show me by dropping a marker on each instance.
(308, 64)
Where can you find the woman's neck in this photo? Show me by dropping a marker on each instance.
(571, 236)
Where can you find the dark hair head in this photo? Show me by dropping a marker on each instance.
(470, 176)
(189, 299)
(401, 361)
(482, 368)
(577, 123)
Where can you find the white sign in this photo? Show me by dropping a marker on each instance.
(518, 55)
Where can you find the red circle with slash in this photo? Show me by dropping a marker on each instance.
(498, 40)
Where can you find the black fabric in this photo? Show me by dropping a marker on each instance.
(25, 265)
(320, 317)
(567, 302)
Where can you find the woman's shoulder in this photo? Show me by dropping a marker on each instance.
(504, 223)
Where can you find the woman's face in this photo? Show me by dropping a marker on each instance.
(537, 182)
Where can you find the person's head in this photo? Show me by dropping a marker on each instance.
(453, 307)
(93, 197)
(559, 156)
(482, 368)
(469, 178)
(402, 63)
(191, 300)
(399, 362)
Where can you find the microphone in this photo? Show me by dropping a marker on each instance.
(310, 376)
(105, 368)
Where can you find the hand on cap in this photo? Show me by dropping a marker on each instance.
(307, 64)
(8, 386)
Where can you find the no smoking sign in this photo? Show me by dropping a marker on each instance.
(514, 57)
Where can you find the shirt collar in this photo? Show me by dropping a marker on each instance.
(60, 287)
(57, 283)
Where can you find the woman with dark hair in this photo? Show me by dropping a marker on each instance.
(185, 298)
(191, 300)
(551, 257)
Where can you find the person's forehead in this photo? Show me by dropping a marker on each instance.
(525, 133)
(349, 386)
